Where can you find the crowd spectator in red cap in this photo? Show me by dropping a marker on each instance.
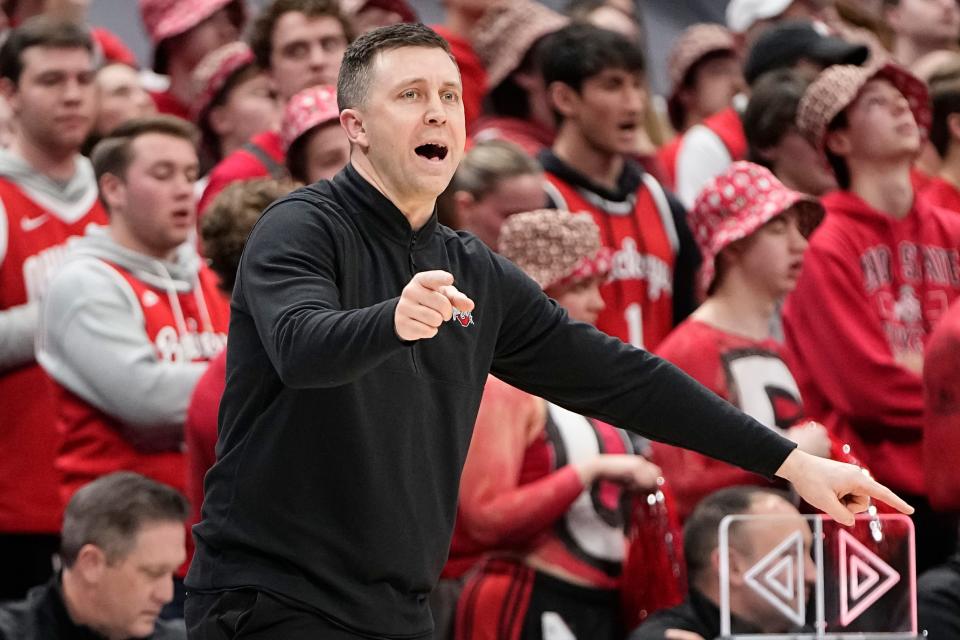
(595, 82)
(943, 189)
(508, 39)
(300, 44)
(232, 101)
(752, 232)
(533, 467)
(120, 97)
(48, 194)
(773, 140)
(316, 145)
(705, 76)
(461, 16)
(366, 15)
(710, 147)
(495, 180)
(921, 27)
(183, 32)
(880, 271)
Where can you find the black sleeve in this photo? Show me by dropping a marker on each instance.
(938, 602)
(687, 265)
(287, 281)
(543, 352)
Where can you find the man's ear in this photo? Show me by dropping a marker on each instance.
(563, 98)
(90, 564)
(9, 91)
(352, 122)
(463, 202)
(113, 191)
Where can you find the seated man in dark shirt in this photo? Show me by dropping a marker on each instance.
(698, 617)
(938, 600)
(122, 539)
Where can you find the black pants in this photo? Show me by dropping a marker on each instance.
(26, 560)
(936, 533)
(253, 615)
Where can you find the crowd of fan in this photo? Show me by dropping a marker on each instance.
(784, 226)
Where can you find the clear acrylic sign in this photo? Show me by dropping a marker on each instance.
(810, 577)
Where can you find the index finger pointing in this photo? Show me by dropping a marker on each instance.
(434, 279)
(457, 298)
(876, 490)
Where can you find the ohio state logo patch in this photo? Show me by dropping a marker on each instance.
(465, 318)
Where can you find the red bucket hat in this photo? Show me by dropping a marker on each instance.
(164, 19)
(838, 86)
(213, 73)
(306, 110)
(736, 203)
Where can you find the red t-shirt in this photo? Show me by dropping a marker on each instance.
(245, 164)
(749, 374)
(200, 429)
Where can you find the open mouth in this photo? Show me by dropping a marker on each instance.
(432, 151)
(627, 126)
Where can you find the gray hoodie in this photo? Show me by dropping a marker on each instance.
(93, 342)
(69, 201)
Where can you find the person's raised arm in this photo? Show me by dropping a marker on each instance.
(572, 364)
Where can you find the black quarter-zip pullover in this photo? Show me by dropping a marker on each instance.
(341, 446)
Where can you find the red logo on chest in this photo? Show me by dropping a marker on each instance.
(465, 318)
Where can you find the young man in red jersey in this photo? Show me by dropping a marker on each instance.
(594, 78)
(48, 193)
(879, 273)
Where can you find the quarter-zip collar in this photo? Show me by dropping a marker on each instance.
(375, 211)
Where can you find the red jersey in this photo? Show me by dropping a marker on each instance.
(941, 193)
(641, 233)
(941, 438)
(35, 229)
(871, 290)
(749, 374)
(261, 157)
(93, 444)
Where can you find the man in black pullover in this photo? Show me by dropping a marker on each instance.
(355, 370)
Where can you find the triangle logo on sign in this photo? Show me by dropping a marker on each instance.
(778, 578)
(864, 578)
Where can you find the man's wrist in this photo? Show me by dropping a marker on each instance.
(791, 466)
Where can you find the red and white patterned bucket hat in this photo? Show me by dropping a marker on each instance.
(555, 247)
(736, 203)
(308, 109)
(837, 87)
